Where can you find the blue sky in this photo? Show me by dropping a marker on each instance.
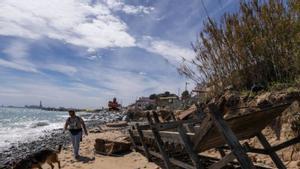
(81, 53)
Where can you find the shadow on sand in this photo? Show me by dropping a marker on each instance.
(84, 159)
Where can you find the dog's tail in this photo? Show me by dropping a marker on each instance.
(59, 148)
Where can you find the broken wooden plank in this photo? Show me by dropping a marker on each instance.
(189, 148)
(230, 137)
(141, 136)
(131, 136)
(172, 160)
(286, 144)
(244, 126)
(167, 136)
(223, 162)
(159, 143)
(201, 132)
(279, 164)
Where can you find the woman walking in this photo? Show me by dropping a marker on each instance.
(75, 125)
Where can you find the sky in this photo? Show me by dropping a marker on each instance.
(82, 53)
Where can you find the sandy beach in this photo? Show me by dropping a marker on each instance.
(90, 160)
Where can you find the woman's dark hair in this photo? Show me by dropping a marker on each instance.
(71, 111)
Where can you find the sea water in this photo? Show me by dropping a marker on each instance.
(23, 124)
(19, 125)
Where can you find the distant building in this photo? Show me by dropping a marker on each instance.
(35, 106)
(167, 101)
(144, 102)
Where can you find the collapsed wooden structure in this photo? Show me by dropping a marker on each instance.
(211, 130)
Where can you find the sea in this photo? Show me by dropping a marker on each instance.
(18, 125)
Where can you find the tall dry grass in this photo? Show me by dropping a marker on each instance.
(258, 44)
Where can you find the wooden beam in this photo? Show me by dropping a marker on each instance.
(199, 135)
(170, 125)
(159, 143)
(221, 151)
(173, 161)
(141, 136)
(132, 139)
(189, 148)
(223, 162)
(286, 144)
(189, 127)
(257, 150)
(144, 127)
(230, 137)
(167, 136)
(264, 142)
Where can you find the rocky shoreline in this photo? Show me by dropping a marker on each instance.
(51, 139)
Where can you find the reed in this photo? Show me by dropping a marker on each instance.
(258, 44)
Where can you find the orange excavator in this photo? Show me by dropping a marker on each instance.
(113, 105)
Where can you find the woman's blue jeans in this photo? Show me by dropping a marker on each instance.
(75, 139)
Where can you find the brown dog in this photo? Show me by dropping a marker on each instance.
(37, 159)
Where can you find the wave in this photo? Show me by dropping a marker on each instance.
(13, 136)
(39, 124)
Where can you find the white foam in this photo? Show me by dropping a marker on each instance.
(9, 136)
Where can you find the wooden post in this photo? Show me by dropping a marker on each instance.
(132, 139)
(190, 128)
(221, 151)
(189, 148)
(223, 162)
(155, 116)
(271, 153)
(230, 137)
(159, 143)
(173, 116)
(141, 135)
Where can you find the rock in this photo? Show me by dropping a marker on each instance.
(95, 130)
(286, 156)
(293, 165)
(264, 100)
(232, 98)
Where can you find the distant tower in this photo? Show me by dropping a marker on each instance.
(41, 105)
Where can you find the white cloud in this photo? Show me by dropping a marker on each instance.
(128, 85)
(17, 50)
(118, 5)
(65, 69)
(94, 57)
(170, 51)
(17, 53)
(72, 21)
(30, 92)
(92, 86)
(17, 66)
(142, 73)
(91, 50)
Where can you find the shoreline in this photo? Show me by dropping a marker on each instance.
(51, 139)
(88, 158)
